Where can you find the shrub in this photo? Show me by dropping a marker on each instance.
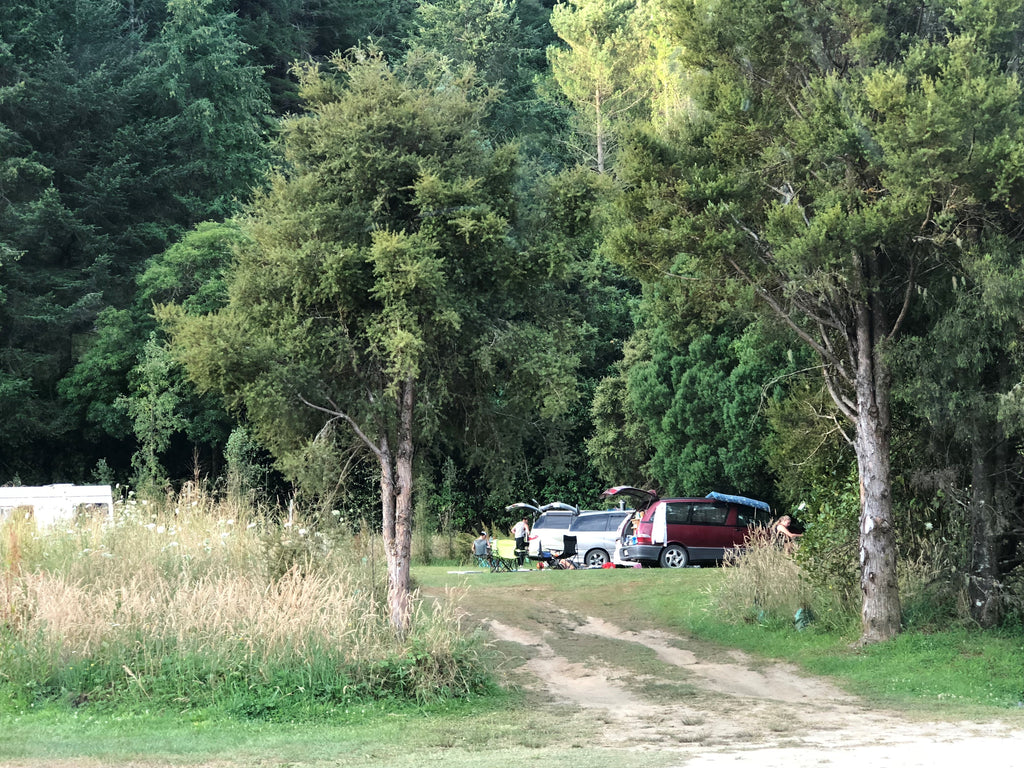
(933, 589)
(763, 584)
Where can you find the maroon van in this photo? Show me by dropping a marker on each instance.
(673, 533)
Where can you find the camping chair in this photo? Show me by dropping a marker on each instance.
(568, 552)
(503, 556)
(558, 559)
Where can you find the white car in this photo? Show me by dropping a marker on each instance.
(550, 523)
(596, 535)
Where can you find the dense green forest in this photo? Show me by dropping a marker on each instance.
(500, 251)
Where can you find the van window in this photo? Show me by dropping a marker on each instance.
(590, 523)
(708, 514)
(749, 516)
(677, 513)
(553, 520)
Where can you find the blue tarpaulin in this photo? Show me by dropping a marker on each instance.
(740, 500)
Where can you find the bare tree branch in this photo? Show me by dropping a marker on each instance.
(351, 422)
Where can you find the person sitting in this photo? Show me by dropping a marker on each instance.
(553, 559)
(482, 550)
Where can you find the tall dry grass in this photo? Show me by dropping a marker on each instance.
(199, 603)
(762, 583)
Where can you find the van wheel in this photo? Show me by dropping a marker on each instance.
(596, 558)
(674, 556)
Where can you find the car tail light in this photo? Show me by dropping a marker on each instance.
(643, 533)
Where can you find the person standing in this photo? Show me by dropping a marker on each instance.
(786, 537)
(521, 532)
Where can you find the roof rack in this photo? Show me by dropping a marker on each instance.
(740, 500)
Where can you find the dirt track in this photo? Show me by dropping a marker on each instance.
(739, 712)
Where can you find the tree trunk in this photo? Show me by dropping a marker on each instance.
(396, 500)
(880, 607)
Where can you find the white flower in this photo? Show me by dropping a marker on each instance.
(927, 526)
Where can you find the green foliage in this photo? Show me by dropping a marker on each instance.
(282, 32)
(503, 41)
(620, 445)
(190, 272)
(383, 254)
(829, 548)
(701, 401)
(687, 412)
(121, 127)
(600, 70)
(154, 413)
(247, 467)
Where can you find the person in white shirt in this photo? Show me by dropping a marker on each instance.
(520, 532)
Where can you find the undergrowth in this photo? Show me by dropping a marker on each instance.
(764, 584)
(198, 605)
